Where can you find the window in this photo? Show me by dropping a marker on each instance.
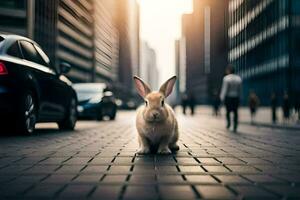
(14, 50)
(31, 54)
(42, 54)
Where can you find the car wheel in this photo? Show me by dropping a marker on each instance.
(113, 116)
(27, 114)
(99, 116)
(71, 118)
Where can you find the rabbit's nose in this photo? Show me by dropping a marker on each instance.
(155, 115)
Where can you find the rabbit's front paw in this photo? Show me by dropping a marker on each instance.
(165, 150)
(143, 150)
(174, 147)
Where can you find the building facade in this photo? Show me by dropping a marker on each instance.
(205, 36)
(148, 69)
(128, 26)
(263, 38)
(99, 38)
(17, 16)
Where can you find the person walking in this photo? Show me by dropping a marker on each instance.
(230, 95)
(286, 106)
(192, 103)
(184, 102)
(274, 107)
(216, 103)
(253, 103)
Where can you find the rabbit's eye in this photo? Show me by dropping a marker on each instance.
(162, 102)
(146, 103)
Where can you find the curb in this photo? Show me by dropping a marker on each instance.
(296, 127)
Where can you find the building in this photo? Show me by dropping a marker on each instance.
(148, 69)
(264, 41)
(204, 34)
(128, 26)
(106, 41)
(180, 71)
(17, 16)
(100, 39)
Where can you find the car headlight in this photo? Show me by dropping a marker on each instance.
(80, 108)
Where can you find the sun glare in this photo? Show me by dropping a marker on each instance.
(160, 27)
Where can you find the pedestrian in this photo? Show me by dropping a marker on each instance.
(192, 103)
(297, 106)
(230, 95)
(216, 103)
(253, 103)
(184, 102)
(274, 107)
(286, 106)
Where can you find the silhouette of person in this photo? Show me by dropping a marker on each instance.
(216, 103)
(274, 103)
(253, 103)
(192, 102)
(286, 106)
(184, 102)
(230, 95)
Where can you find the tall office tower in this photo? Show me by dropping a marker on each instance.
(149, 71)
(128, 26)
(264, 41)
(106, 41)
(205, 36)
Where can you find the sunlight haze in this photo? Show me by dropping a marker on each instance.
(160, 26)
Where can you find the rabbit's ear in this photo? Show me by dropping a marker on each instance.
(167, 87)
(142, 88)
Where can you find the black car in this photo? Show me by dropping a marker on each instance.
(95, 101)
(31, 89)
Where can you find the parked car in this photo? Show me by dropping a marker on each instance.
(94, 101)
(31, 89)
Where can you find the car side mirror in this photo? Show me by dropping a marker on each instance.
(65, 67)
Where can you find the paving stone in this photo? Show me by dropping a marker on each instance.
(119, 169)
(252, 192)
(194, 169)
(106, 192)
(216, 168)
(76, 192)
(177, 192)
(214, 192)
(58, 178)
(201, 179)
(90, 179)
(167, 168)
(44, 190)
(96, 169)
(114, 179)
(142, 179)
(140, 192)
(170, 179)
(208, 160)
(231, 179)
(263, 179)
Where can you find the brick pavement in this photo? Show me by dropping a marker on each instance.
(99, 162)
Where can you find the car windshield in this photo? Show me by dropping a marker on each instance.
(88, 91)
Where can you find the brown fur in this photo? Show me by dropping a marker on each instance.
(160, 131)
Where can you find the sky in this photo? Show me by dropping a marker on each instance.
(160, 26)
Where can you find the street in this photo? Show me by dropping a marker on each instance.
(98, 161)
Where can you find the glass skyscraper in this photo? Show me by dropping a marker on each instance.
(264, 38)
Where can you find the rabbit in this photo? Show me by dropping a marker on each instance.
(156, 124)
